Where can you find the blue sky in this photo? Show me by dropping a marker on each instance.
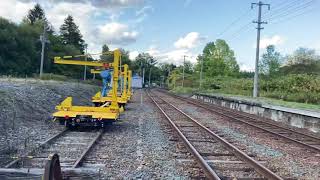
(169, 29)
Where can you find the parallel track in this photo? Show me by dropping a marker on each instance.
(72, 146)
(208, 147)
(308, 141)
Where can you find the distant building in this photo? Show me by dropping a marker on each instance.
(136, 81)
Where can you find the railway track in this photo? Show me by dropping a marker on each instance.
(72, 147)
(218, 158)
(304, 140)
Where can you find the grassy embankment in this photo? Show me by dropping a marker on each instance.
(294, 91)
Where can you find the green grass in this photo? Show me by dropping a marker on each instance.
(262, 100)
(183, 90)
(291, 104)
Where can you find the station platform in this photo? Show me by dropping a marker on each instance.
(296, 117)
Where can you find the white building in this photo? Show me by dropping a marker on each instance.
(136, 81)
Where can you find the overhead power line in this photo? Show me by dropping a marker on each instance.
(290, 11)
(243, 28)
(227, 28)
(285, 5)
(287, 18)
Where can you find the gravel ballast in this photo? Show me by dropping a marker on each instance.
(140, 145)
(287, 159)
(26, 106)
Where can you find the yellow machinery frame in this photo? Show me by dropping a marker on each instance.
(125, 94)
(129, 94)
(108, 111)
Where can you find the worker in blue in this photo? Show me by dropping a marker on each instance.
(106, 76)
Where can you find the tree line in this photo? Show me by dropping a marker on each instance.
(293, 77)
(20, 49)
(20, 46)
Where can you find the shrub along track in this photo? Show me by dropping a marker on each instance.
(218, 158)
(305, 140)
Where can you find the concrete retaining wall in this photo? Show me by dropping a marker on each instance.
(297, 118)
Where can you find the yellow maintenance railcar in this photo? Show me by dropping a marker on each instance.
(106, 112)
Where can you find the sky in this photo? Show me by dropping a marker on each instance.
(171, 29)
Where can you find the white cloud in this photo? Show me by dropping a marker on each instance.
(116, 33)
(153, 51)
(245, 67)
(112, 33)
(15, 10)
(133, 55)
(108, 4)
(117, 3)
(86, 13)
(191, 40)
(274, 40)
(183, 47)
(82, 14)
(142, 13)
(177, 56)
(173, 56)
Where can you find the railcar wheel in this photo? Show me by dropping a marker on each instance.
(52, 170)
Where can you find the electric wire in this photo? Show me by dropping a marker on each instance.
(282, 16)
(294, 16)
(243, 28)
(290, 11)
(227, 28)
(282, 6)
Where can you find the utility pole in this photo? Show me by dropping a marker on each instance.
(143, 70)
(256, 71)
(201, 71)
(86, 59)
(150, 76)
(184, 64)
(43, 40)
(169, 72)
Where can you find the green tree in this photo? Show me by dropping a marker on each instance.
(218, 60)
(19, 48)
(57, 48)
(166, 68)
(71, 35)
(125, 57)
(303, 56)
(270, 62)
(36, 14)
(188, 67)
(144, 61)
(302, 61)
(106, 56)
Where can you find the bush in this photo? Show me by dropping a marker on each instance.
(183, 90)
(302, 88)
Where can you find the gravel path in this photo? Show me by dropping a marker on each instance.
(287, 159)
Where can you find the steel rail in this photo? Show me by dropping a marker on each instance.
(48, 141)
(247, 116)
(240, 154)
(316, 149)
(83, 155)
(210, 173)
